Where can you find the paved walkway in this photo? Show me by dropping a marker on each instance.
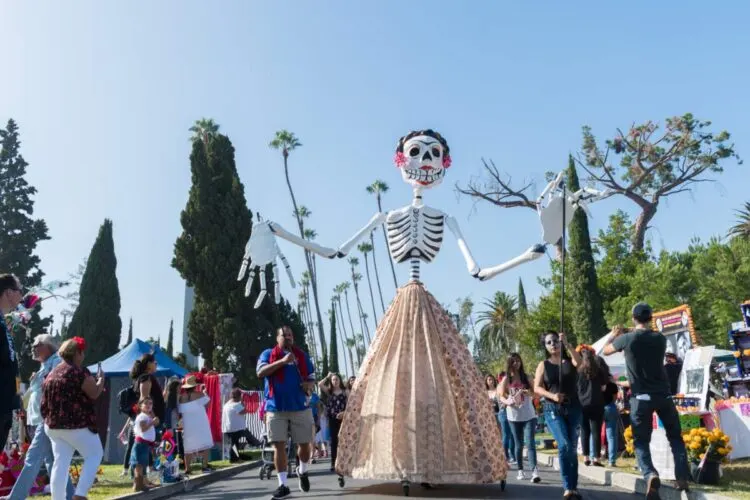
(324, 485)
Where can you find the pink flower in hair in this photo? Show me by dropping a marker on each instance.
(447, 161)
(400, 159)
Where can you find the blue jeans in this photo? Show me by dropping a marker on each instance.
(611, 424)
(508, 442)
(525, 431)
(641, 417)
(564, 423)
(40, 449)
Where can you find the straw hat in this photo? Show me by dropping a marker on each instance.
(190, 382)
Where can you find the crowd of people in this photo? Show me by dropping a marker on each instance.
(573, 386)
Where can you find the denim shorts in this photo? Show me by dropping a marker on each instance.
(140, 455)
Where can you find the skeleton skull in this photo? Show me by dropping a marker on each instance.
(423, 161)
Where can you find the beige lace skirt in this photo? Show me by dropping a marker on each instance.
(419, 409)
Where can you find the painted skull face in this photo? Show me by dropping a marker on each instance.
(423, 161)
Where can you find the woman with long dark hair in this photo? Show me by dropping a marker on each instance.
(517, 394)
(592, 381)
(501, 413)
(555, 381)
(335, 407)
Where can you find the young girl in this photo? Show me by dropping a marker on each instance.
(145, 440)
(335, 407)
(515, 391)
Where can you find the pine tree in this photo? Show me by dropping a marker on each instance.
(523, 307)
(97, 318)
(170, 339)
(333, 352)
(216, 225)
(19, 236)
(130, 333)
(585, 301)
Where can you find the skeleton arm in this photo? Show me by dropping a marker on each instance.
(532, 253)
(262, 250)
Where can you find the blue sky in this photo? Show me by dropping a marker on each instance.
(104, 93)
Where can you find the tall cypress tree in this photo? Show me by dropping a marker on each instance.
(19, 235)
(170, 339)
(523, 306)
(130, 332)
(333, 351)
(216, 225)
(97, 318)
(587, 312)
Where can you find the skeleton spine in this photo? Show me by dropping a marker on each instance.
(414, 274)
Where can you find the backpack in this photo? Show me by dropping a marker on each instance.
(126, 398)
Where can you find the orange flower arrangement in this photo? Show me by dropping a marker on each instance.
(581, 347)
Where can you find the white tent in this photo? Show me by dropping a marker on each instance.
(616, 361)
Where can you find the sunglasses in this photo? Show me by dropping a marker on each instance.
(552, 342)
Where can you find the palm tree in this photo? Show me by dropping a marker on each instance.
(361, 349)
(203, 130)
(742, 228)
(337, 293)
(311, 234)
(375, 265)
(378, 188)
(366, 248)
(356, 278)
(498, 321)
(304, 314)
(344, 287)
(351, 343)
(287, 142)
(342, 337)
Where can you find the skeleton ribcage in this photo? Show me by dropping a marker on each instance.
(415, 232)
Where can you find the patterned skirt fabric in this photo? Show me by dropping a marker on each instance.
(419, 409)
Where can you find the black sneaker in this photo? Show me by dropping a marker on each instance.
(303, 481)
(281, 492)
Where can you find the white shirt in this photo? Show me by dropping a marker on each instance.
(147, 435)
(231, 420)
(523, 410)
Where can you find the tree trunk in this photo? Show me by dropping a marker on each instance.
(372, 297)
(308, 260)
(348, 311)
(387, 250)
(641, 225)
(351, 359)
(377, 275)
(342, 327)
(342, 337)
(303, 317)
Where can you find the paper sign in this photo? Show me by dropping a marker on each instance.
(745, 409)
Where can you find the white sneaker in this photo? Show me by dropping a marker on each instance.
(521, 475)
(535, 476)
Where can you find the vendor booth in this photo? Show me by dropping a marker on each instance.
(116, 372)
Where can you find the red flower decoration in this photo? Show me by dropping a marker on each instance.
(80, 342)
(30, 301)
(447, 161)
(400, 159)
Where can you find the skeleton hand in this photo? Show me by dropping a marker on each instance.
(260, 251)
(550, 207)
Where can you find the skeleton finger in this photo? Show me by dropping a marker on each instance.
(245, 262)
(262, 294)
(288, 269)
(249, 284)
(276, 284)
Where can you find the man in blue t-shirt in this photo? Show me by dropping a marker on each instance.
(289, 376)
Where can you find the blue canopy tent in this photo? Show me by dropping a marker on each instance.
(117, 374)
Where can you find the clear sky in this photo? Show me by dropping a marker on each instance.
(104, 94)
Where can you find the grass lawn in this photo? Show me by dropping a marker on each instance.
(110, 484)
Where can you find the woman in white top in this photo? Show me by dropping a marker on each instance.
(517, 393)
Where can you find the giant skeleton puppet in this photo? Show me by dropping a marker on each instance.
(419, 410)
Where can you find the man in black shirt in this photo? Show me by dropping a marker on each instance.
(644, 352)
(11, 294)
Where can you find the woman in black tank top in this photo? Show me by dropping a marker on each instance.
(562, 410)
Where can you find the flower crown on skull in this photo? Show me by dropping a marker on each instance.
(423, 156)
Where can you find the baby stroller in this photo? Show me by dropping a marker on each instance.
(266, 455)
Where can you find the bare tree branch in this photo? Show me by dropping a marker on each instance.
(498, 191)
